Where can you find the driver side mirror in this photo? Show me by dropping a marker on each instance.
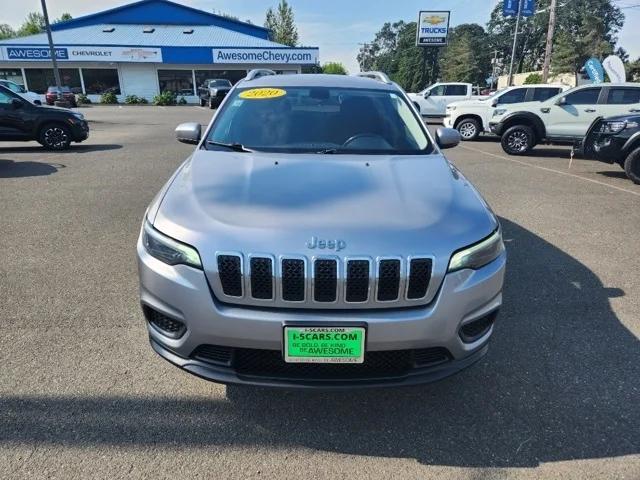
(494, 103)
(16, 104)
(427, 94)
(561, 101)
(189, 132)
(447, 138)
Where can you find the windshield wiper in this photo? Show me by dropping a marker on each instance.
(328, 151)
(236, 147)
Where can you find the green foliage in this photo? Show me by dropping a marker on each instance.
(466, 58)
(633, 71)
(282, 25)
(6, 31)
(82, 99)
(533, 78)
(33, 24)
(165, 98)
(132, 100)
(63, 18)
(108, 98)
(335, 68)
(182, 101)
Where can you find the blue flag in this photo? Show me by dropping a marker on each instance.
(528, 8)
(594, 69)
(510, 8)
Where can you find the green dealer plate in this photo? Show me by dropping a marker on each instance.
(324, 344)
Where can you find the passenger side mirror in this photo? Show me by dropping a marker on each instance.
(427, 94)
(16, 104)
(447, 138)
(561, 101)
(189, 132)
(494, 103)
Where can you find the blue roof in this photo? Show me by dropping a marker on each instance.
(162, 36)
(162, 12)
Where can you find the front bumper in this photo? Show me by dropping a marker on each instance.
(79, 130)
(182, 293)
(448, 121)
(496, 128)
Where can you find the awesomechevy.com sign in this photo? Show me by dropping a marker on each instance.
(433, 29)
(84, 54)
(284, 56)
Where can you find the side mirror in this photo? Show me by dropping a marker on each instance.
(189, 132)
(16, 104)
(427, 94)
(447, 138)
(561, 101)
(494, 103)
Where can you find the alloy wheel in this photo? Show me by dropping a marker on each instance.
(55, 137)
(518, 141)
(467, 130)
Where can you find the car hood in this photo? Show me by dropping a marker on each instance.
(275, 203)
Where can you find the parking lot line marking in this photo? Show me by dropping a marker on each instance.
(559, 172)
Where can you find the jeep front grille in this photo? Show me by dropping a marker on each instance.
(324, 282)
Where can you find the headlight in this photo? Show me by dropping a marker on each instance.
(616, 127)
(499, 111)
(167, 249)
(478, 255)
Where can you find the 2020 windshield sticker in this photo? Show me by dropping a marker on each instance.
(262, 93)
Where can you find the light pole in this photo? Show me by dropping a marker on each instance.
(515, 41)
(52, 50)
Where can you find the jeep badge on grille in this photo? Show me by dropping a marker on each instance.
(323, 244)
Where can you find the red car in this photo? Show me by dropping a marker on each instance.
(55, 94)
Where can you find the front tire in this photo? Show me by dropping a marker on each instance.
(55, 136)
(211, 105)
(518, 140)
(203, 102)
(632, 166)
(469, 129)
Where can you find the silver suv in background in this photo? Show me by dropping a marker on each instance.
(318, 237)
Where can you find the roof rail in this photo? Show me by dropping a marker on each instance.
(257, 73)
(379, 76)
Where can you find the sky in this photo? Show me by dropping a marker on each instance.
(337, 27)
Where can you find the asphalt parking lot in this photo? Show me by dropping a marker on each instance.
(82, 395)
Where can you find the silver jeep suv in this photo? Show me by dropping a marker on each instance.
(317, 237)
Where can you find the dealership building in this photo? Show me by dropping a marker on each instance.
(145, 48)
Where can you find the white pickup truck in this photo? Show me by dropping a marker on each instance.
(433, 101)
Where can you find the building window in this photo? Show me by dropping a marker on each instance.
(232, 75)
(101, 80)
(12, 74)
(179, 82)
(39, 79)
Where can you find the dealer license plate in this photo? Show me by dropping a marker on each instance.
(324, 344)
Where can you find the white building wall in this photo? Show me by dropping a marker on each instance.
(139, 79)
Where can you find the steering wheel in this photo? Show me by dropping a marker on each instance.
(359, 136)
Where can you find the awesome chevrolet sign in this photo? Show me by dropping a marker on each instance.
(433, 29)
(82, 53)
(277, 56)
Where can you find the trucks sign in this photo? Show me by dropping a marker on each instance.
(433, 29)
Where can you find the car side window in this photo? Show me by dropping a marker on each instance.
(587, 96)
(5, 99)
(516, 95)
(542, 94)
(437, 91)
(623, 96)
(456, 90)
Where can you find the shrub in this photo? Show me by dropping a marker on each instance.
(182, 101)
(533, 78)
(142, 101)
(132, 99)
(108, 98)
(82, 99)
(165, 98)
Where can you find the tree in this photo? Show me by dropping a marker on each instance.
(63, 18)
(466, 59)
(6, 31)
(33, 24)
(335, 68)
(533, 78)
(282, 25)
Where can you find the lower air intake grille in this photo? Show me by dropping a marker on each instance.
(213, 354)
(262, 278)
(326, 280)
(472, 331)
(293, 280)
(357, 281)
(419, 276)
(431, 356)
(167, 325)
(389, 280)
(230, 275)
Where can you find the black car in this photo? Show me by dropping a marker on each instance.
(55, 128)
(212, 92)
(616, 140)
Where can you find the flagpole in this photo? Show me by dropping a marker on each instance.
(515, 41)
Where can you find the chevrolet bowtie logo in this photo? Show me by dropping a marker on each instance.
(433, 20)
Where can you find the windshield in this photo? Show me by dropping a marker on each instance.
(492, 95)
(219, 83)
(14, 87)
(320, 120)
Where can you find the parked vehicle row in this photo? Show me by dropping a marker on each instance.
(433, 101)
(20, 90)
(472, 117)
(55, 128)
